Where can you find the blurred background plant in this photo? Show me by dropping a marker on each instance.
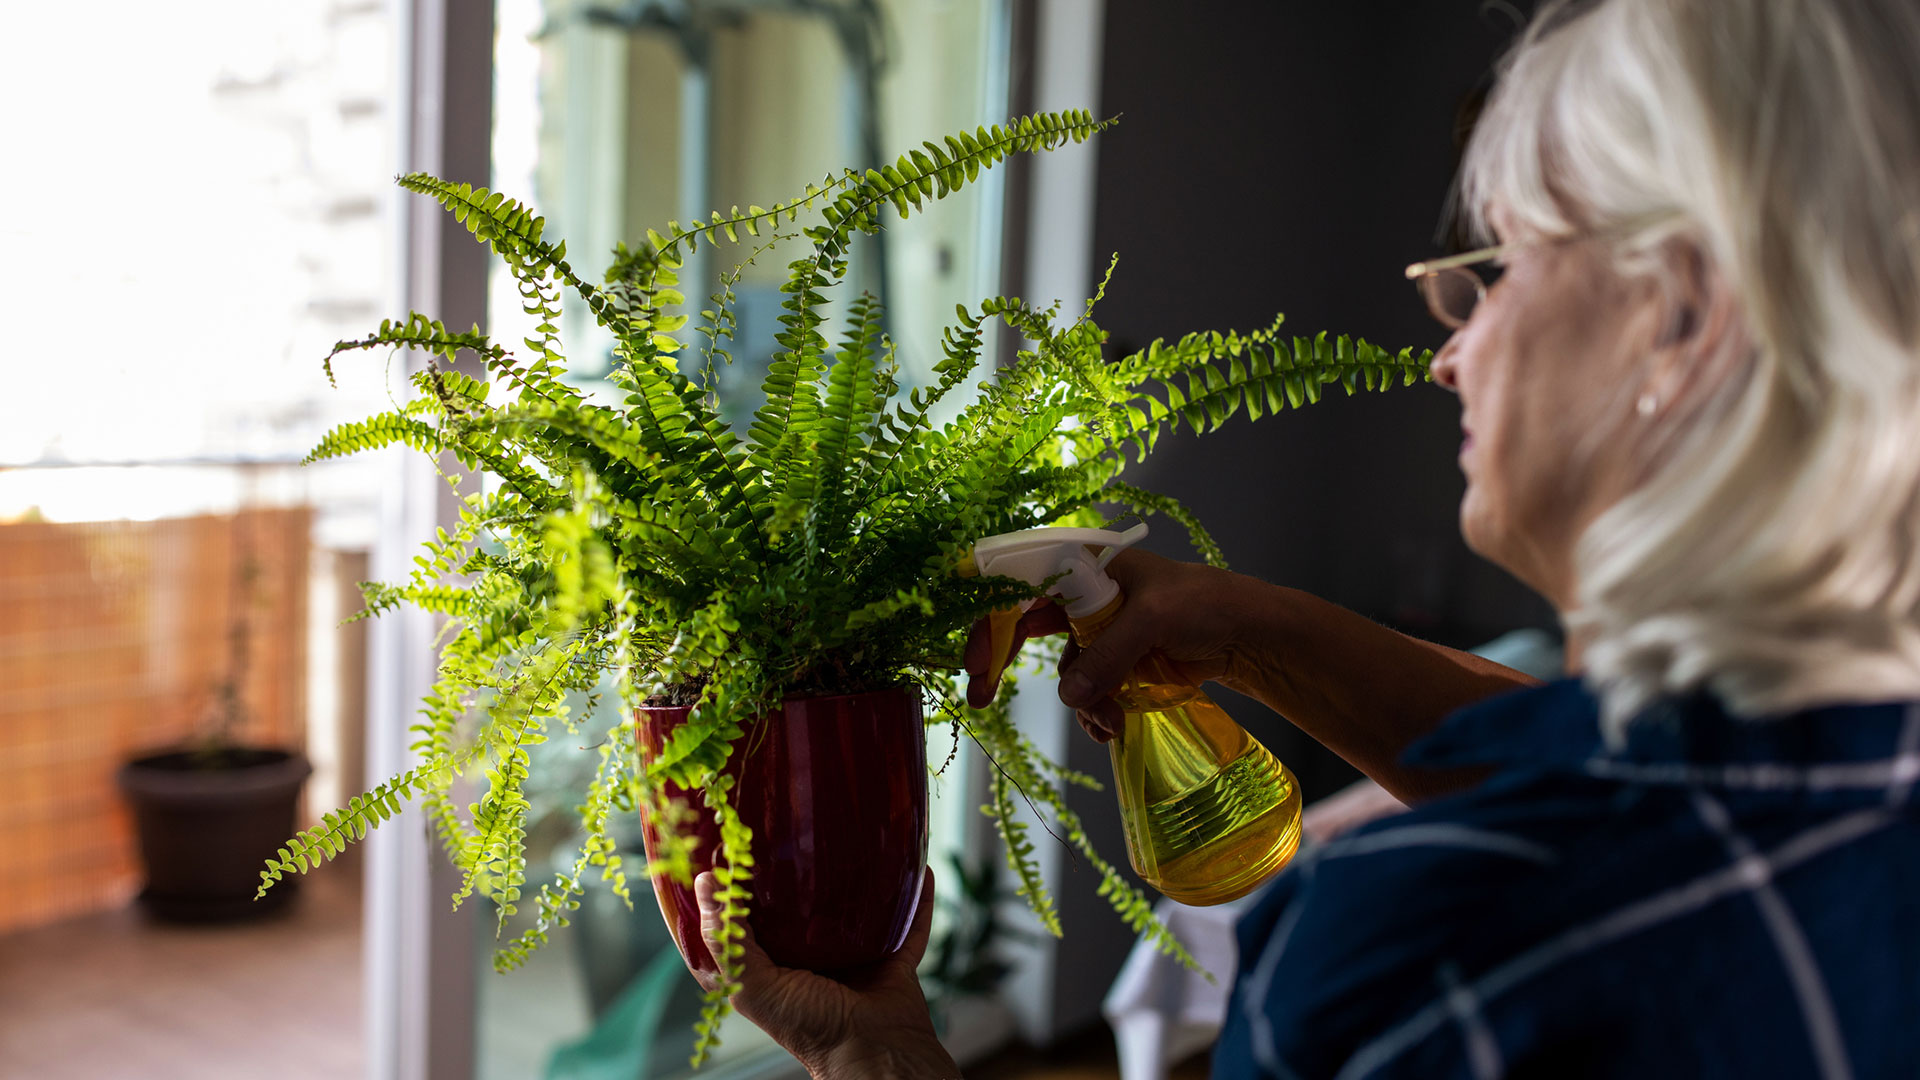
(964, 957)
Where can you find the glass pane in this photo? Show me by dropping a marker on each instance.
(610, 119)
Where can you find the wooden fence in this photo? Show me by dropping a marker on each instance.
(115, 640)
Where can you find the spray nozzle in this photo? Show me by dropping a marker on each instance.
(1079, 578)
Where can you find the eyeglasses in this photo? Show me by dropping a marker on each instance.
(1451, 288)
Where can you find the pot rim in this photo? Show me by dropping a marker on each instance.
(789, 698)
(286, 754)
(152, 786)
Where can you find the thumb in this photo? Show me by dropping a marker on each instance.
(755, 963)
(915, 945)
(1101, 667)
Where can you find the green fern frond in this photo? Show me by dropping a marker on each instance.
(753, 219)
(560, 897)
(385, 429)
(337, 828)
(1262, 373)
(418, 332)
(915, 178)
(452, 600)
(1148, 502)
(513, 231)
(1013, 837)
(783, 424)
(698, 749)
(730, 871)
(851, 404)
(452, 392)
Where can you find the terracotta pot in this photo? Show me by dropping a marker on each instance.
(207, 828)
(835, 791)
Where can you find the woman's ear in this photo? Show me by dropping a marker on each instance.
(1703, 338)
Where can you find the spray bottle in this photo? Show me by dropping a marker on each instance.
(1210, 814)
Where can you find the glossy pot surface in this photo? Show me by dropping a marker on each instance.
(835, 791)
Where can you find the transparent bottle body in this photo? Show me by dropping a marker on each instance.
(1209, 812)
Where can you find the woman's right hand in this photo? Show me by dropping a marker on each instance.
(1186, 612)
(1358, 688)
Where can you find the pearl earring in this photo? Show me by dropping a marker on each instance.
(1647, 405)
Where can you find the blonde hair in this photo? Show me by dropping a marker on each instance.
(1772, 552)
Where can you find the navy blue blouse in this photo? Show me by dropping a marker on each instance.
(1719, 898)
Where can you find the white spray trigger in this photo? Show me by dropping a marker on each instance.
(1075, 558)
(1127, 539)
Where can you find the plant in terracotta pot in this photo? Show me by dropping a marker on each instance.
(778, 610)
(207, 814)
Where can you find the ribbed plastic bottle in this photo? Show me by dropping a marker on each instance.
(1209, 813)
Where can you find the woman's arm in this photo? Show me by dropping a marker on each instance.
(1362, 690)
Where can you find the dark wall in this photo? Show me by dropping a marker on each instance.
(1295, 156)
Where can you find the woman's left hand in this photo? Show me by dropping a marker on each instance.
(872, 1023)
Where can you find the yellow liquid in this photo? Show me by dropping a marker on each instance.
(1209, 813)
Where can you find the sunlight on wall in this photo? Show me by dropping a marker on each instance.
(204, 199)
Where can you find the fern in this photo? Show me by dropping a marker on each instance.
(1148, 502)
(647, 545)
(338, 828)
(730, 874)
(373, 433)
(1013, 833)
(562, 895)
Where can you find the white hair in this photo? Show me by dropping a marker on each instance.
(1771, 553)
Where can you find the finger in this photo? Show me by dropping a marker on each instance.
(985, 660)
(1095, 732)
(977, 656)
(1108, 716)
(1045, 617)
(915, 947)
(1097, 671)
(980, 692)
(755, 964)
(982, 687)
(978, 660)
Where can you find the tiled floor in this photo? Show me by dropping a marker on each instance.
(116, 996)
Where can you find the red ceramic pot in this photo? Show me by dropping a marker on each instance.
(835, 791)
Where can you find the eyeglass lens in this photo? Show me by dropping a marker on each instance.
(1452, 294)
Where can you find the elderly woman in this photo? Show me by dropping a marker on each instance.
(1691, 409)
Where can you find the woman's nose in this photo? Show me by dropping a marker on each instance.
(1446, 364)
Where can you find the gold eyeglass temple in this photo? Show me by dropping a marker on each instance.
(1433, 266)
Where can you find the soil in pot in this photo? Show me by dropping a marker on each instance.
(835, 791)
(208, 823)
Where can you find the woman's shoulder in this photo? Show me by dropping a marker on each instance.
(1369, 928)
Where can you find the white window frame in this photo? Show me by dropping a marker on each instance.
(417, 953)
